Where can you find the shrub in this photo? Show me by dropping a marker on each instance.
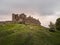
(58, 24)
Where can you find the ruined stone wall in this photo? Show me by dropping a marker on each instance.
(31, 20)
(23, 19)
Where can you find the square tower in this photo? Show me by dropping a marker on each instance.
(15, 17)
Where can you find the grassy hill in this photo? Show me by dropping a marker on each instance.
(20, 34)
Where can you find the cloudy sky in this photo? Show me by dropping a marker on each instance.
(44, 10)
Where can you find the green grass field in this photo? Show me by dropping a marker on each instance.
(20, 34)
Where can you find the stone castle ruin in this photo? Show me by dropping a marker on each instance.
(23, 19)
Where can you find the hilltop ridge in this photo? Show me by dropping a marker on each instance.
(22, 34)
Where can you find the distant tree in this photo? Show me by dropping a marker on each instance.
(58, 24)
(52, 27)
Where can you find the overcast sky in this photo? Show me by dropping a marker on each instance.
(44, 10)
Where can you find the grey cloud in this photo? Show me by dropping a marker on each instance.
(2, 12)
(45, 7)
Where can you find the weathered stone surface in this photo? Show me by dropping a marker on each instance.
(22, 18)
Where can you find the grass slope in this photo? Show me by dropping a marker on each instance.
(20, 34)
